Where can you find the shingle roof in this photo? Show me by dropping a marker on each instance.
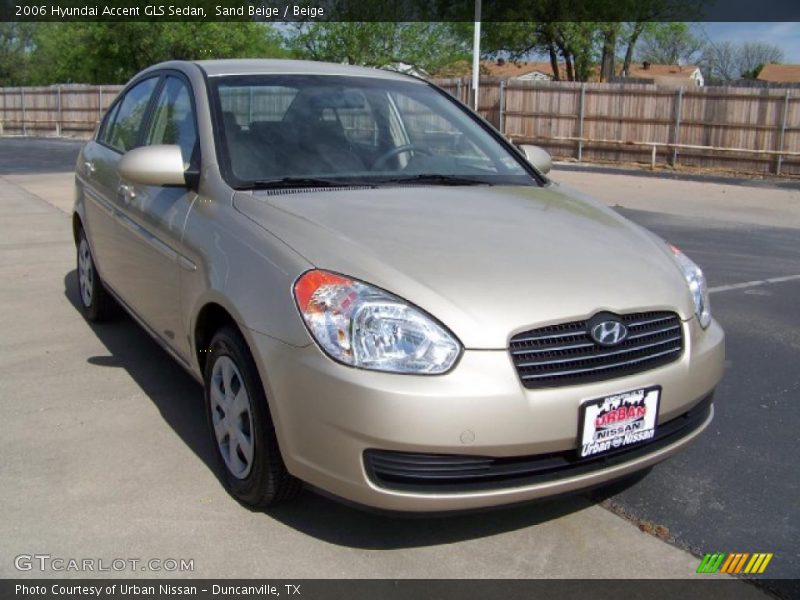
(780, 73)
(512, 69)
(656, 70)
(509, 69)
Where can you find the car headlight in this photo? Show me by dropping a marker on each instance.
(363, 326)
(697, 286)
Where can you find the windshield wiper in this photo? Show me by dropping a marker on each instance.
(302, 182)
(435, 179)
(297, 182)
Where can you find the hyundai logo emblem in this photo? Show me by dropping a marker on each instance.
(607, 330)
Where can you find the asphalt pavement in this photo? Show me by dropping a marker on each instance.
(734, 490)
(737, 487)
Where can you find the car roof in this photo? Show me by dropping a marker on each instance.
(248, 66)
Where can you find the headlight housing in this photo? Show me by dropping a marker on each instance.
(697, 286)
(363, 326)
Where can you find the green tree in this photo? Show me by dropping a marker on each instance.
(113, 52)
(725, 61)
(752, 73)
(424, 46)
(564, 30)
(570, 43)
(636, 18)
(720, 63)
(669, 44)
(16, 44)
(752, 57)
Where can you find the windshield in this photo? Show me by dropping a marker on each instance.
(283, 130)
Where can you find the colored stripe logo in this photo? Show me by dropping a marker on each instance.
(735, 563)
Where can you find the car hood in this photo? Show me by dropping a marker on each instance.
(488, 262)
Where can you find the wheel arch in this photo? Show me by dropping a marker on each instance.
(77, 225)
(210, 318)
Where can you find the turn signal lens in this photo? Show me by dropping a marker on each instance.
(363, 326)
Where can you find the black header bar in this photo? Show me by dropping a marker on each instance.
(400, 10)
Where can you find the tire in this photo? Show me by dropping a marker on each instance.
(253, 470)
(95, 301)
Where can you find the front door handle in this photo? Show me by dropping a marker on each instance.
(126, 192)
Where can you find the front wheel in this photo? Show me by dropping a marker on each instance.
(96, 303)
(241, 427)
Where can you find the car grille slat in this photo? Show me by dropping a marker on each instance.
(606, 367)
(540, 350)
(646, 333)
(565, 354)
(549, 337)
(648, 322)
(637, 348)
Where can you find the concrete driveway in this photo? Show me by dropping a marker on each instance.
(106, 455)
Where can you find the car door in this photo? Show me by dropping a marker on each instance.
(98, 179)
(152, 218)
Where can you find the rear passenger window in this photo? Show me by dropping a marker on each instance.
(123, 129)
(173, 119)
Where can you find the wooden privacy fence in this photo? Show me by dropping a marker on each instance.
(70, 110)
(743, 129)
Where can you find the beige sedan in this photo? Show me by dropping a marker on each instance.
(382, 297)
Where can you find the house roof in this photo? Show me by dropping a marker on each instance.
(494, 68)
(675, 74)
(655, 71)
(780, 73)
(509, 69)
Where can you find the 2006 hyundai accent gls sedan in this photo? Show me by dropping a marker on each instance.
(381, 295)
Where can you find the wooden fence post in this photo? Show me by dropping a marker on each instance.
(99, 104)
(782, 134)
(581, 110)
(677, 132)
(58, 111)
(22, 97)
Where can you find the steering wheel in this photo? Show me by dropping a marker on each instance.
(383, 158)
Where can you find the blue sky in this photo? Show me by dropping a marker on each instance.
(785, 35)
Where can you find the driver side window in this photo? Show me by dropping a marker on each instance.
(122, 130)
(173, 119)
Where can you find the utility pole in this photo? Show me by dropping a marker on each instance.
(476, 54)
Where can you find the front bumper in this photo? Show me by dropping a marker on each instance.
(328, 415)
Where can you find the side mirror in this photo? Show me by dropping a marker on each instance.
(538, 157)
(153, 165)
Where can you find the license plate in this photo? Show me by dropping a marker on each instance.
(618, 421)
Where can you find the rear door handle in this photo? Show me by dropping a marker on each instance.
(90, 169)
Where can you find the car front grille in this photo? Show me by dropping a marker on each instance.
(565, 354)
(449, 473)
